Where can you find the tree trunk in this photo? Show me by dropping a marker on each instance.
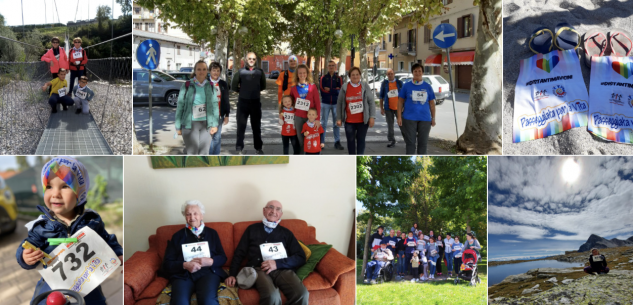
(317, 67)
(328, 50)
(342, 53)
(367, 249)
(237, 54)
(220, 44)
(362, 53)
(482, 134)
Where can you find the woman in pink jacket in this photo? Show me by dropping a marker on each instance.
(56, 57)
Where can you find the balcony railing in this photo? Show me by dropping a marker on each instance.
(433, 46)
(407, 48)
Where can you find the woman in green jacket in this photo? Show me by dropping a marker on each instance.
(196, 113)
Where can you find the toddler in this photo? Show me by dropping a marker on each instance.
(313, 136)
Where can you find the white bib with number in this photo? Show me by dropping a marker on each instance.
(356, 107)
(392, 243)
(199, 111)
(195, 250)
(273, 251)
(411, 244)
(81, 94)
(392, 93)
(302, 104)
(458, 248)
(380, 255)
(61, 91)
(289, 117)
(77, 55)
(421, 242)
(419, 96)
(81, 266)
(597, 258)
(433, 252)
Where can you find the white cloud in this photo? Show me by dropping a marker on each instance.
(510, 241)
(525, 232)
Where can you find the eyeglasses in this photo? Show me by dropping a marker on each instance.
(55, 42)
(270, 207)
(251, 58)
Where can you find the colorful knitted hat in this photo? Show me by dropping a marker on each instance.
(72, 172)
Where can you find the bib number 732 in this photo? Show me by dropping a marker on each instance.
(74, 261)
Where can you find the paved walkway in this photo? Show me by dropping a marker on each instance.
(17, 285)
(68, 133)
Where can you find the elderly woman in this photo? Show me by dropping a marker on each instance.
(194, 259)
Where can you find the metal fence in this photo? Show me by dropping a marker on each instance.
(24, 109)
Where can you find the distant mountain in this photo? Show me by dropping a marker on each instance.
(598, 242)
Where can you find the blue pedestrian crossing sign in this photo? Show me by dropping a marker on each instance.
(444, 35)
(148, 54)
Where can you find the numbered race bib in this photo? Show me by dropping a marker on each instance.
(356, 107)
(438, 243)
(380, 255)
(195, 250)
(77, 55)
(597, 258)
(61, 91)
(458, 248)
(81, 94)
(392, 243)
(81, 266)
(426, 237)
(411, 244)
(289, 117)
(273, 251)
(302, 104)
(392, 93)
(433, 252)
(419, 96)
(199, 111)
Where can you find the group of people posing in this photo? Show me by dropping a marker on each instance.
(417, 254)
(58, 89)
(304, 108)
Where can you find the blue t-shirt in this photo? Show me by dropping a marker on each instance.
(303, 91)
(392, 239)
(418, 109)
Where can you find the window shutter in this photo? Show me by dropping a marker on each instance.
(449, 1)
(460, 27)
(426, 34)
(472, 25)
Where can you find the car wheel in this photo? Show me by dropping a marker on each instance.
(439, 102)
(172, 98)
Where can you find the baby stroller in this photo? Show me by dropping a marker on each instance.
(468, 269)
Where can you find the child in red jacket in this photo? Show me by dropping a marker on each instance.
(287, 122)
(78, 59)
(313, 135)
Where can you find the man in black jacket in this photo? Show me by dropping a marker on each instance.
(275, 254)
(249, 82)
(597, 263)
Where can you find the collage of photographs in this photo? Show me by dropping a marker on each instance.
(477, 152)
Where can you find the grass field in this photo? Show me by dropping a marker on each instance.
(435, 292)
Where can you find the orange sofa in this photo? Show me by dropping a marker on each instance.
(332, 282)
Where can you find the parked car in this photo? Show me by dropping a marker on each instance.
(440, 87)
(8, 209)
(186, 69)
(273, 74)
(165, 87)
(181, 75)
(375, 85)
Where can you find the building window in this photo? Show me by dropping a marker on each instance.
(137, 11)
(265, 66)
(178, 50)
(158, 27)
(400, 65)
(151, 11)
(151, 27)
(465, 26)
(190, 51)
(138, 26)
(177, 66)
(389, 37)
(427, 70)
(146, 27)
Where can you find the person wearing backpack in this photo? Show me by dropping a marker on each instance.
(197, 112)
(77, 59)
(286, 79)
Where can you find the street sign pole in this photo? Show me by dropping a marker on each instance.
(148, 56)
(450, 84)
(149, 89)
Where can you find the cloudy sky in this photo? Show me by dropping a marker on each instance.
(538, 206)
(41, 11)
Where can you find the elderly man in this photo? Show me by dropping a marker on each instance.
(275, 254)
(379, 259)
(391, 241)
(389, 90)
(249, 82)
(597, 263)
(285, 80)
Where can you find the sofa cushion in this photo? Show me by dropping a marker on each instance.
(224, 229)
(318, 251)
(306, 250)
(154, 288)
(315, 281)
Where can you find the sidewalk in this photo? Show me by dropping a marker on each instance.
(17, 285)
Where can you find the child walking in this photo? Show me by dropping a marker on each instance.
(82, 95)
(58, 93)
(66, 184)
(287, 121)
(313, 135)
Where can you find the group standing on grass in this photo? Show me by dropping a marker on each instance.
(416, 254)
(58, 89)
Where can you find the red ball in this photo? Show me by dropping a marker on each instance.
(56, 298)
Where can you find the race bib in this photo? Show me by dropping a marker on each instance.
(61, 91)
(421, 242)
(302, 104)
(77, 55)
(433, 252)
(411, 244)
(376, 242)
(195, 250)
(81, 266)
(380, 255)
(392, 243)
(458, 248)
(426, 237)
(356, 107)
(392, 93)
(289, 117)
(597, 258)
(419, 96)
(438, 243)
(199, 111)
(273, 251)
(81, 94)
